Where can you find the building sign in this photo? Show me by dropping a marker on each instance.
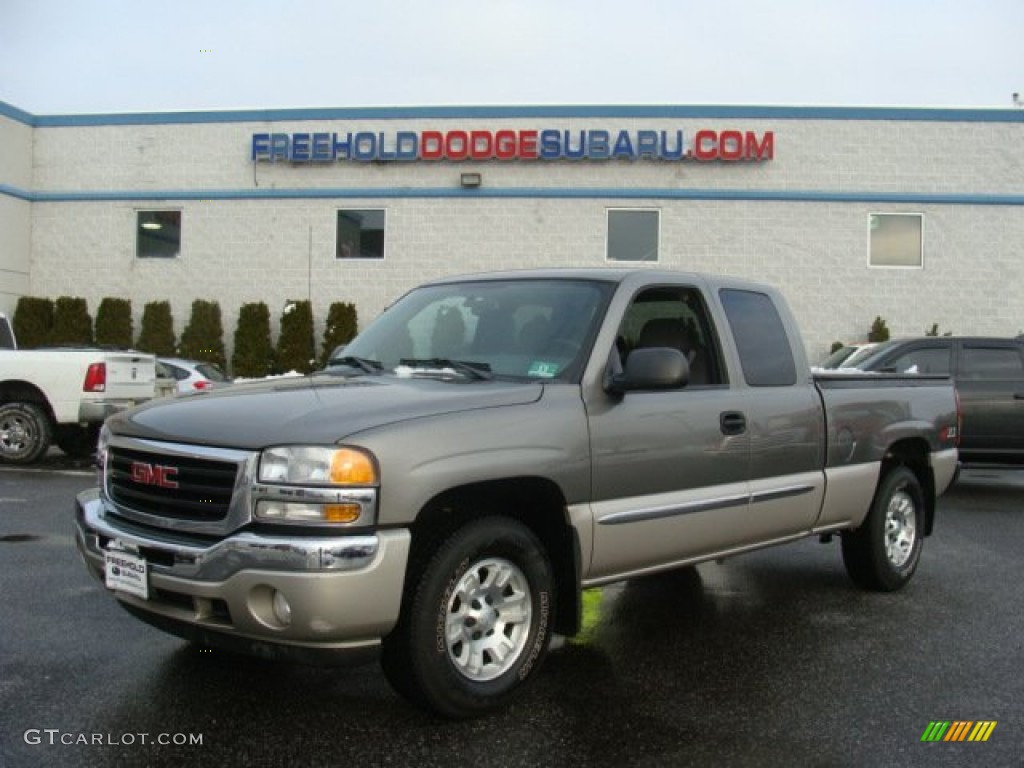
(546, 144)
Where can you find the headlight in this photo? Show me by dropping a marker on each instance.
(317, 485)
(102, 443)
(316, 465)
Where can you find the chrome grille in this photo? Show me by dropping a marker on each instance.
(171, 486)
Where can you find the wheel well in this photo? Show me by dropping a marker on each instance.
(24, 392)
(913, 454)
(535, 502)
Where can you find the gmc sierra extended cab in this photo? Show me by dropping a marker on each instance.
(488, 448)
(63, 395)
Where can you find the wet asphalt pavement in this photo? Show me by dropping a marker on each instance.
(772, 658)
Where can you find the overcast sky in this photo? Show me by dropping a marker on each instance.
(84, 56)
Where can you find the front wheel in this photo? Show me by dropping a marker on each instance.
(883, 553)
(476, 622)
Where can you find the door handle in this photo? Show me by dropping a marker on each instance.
(1018, 395)
(732, 423)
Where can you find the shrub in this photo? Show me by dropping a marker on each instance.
(71, 321)
(114, 323)
(836, 346)
(157, 334)
(33, 321)
(253, 355)
(342, 327)
(203, 337)
(296, 347)
(879, 331)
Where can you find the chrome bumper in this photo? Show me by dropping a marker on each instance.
(344, 592)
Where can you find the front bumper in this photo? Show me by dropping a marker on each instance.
(345, 592)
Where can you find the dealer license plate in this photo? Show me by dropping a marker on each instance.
(127, 572)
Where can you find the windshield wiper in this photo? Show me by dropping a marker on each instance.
(367, 366)
(478, 371)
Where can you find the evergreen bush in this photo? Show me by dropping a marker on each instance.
(114, 323)
(296, 346)
(342, 326)
(879, 331)
(157, 333)
(203, 337)
(253, 355)
(72, 324)
(33, 321)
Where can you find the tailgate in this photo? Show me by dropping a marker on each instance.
(130, 376)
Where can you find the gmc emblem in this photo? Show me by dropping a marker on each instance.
(154, 474)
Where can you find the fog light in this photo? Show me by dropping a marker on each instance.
(282, 610)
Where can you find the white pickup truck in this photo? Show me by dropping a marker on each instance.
(63, 395)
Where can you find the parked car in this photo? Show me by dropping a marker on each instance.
(989, 375)
(6, 333)
(190, 375)
(848, 355)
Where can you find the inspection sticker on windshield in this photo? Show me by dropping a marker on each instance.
(126, 572)
(543, 370)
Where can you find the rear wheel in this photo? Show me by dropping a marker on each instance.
(25, 432)
(476, 621)
(884, 552)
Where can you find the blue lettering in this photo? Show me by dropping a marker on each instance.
(260, 146)
(677, 152)
(598, 149)
(365, 146)
(279, 146)
(575, 154)
(342, 148)
(623, 146)
(300, 148)
(322, 147)
(550, 146)
(647, 144)
(385, 154)
(407, 146)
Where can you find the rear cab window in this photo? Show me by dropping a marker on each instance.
(766, 355)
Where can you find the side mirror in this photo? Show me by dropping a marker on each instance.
(651, 368)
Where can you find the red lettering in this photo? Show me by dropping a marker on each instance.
(505, 145)
(431, 145)
(699, 150)
(730, 145)
(481, 145)
(527, 145)
(763, 151)
(456, 145)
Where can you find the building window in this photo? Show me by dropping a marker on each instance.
(158, 234)
(633, 234)
(896, 240)
(360, 234)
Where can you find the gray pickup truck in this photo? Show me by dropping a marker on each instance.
(488, 448)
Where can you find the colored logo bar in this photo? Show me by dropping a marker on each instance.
(958, 730)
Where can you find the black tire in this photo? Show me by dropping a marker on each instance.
(486, 591)
(883, 553)
(77, 441)
(25, 432)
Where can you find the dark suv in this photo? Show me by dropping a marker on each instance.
(989, 375)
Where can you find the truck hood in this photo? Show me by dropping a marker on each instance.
(320, 409)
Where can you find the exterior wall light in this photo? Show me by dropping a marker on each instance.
(471, 179)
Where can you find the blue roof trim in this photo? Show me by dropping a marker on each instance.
(552, 193)
(7, 110)
(705, 112)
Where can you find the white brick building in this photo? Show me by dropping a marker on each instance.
(793, 196)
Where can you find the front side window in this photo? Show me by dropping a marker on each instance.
(933, 360)
(633, 235)
(896, 240)
(360, 234)
(674, 317)
(158, 234)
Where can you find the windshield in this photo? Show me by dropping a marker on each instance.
(523, 328)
